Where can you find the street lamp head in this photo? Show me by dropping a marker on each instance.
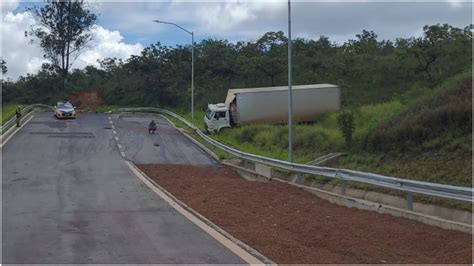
(157, 21)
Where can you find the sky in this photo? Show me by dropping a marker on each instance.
(124, 28)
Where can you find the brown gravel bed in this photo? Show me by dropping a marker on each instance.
(290, 225)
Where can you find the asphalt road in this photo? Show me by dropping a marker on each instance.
(167, 145)
(68, 197)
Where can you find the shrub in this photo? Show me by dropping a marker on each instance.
(247, 134)
(346, 124)
(444, 115)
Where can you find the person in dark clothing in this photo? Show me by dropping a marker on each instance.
(18, 116)
(152, 127)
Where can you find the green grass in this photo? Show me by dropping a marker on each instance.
(8, 111)
(311, 140)
(441, 156)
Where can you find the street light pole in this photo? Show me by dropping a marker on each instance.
(290, 93)
(192, 61)
(192, 77)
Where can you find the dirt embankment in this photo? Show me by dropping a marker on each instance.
(87, 99)
(290, 225)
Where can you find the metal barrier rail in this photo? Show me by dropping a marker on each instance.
(406, 185)
(24, 111)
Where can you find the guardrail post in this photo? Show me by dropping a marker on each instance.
(296, 178)
(410, 201)
(404, 185)
(343, 186)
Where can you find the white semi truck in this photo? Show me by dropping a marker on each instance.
(270, 105)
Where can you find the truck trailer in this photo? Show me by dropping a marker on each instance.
(270, 105)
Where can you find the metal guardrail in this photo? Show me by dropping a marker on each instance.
(406, 185)
(24, 111)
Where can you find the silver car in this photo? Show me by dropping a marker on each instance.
(64, 110)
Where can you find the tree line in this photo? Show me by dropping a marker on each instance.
(368, 70)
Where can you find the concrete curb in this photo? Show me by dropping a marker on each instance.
(248, 174)
(345, 200)
(256, 257)
(372, 206)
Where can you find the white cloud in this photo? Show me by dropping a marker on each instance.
(8, 6)
(248, 20)
(106, 44)
(22, 57)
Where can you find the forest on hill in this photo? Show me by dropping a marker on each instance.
(368, 70)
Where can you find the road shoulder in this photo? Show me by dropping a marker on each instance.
(239, 248)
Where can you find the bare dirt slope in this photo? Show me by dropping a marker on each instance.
(87, 99)
(290, 225)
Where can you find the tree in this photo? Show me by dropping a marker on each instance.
(63, 28)
(4, 67)
(437, 41)
(271, 58)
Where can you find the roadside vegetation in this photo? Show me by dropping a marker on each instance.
(8, 111)
(427, 137)
(406, 103)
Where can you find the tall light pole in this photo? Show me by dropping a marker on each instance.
(290, 93)
(192, 62)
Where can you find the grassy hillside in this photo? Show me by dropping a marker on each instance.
(8, 110)
(429, 140)
(424, 134)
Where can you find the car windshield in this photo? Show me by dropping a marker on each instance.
(209, 114)
(65, 105)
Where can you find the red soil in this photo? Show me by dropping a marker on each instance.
(290, 225)
(86, 99)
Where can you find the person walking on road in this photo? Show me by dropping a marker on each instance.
(18, 116)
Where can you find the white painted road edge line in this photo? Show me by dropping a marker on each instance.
(243, 254)
(16, 130)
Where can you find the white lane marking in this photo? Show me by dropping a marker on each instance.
(116, 138)
(113, 127)
(110, 118)
(111, 122)
(14, 132)
(122, 153)
(115, 132)
(244, 255)
(119, 146)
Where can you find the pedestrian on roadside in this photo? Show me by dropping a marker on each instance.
(18, 116)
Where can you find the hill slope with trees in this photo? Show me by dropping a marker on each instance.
(368, 70)
(410, 99)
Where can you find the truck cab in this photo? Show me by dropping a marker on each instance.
(217, 117)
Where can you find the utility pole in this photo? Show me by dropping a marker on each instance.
(192, 61)
(290, 93)
(192, 77)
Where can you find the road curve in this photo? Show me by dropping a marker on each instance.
(68, 197)
(166, 146)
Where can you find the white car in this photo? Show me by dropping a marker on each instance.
(64, 110)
